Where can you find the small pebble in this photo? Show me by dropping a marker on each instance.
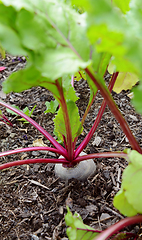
(35, 153)
(97, 141)
(106, 174)
(104, 216)
(134, 118)
(34, 237)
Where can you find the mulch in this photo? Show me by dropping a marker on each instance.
(32, 199)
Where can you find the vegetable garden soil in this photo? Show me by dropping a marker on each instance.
(32, 199)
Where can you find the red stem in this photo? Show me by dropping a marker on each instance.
(83, 119)
(118, 226)
(97, 121)
(37, 126)
(31, 161)
(5, 122)
(29, 149)
(100, 155)
(61, 160)
(113, 107)
(64, 139)
(128, 235)
(87, 110)
(67, 121)
(6, 119)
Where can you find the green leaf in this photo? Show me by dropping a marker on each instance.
(124, 81)
(7, 16)
(10, 111)
(25, 110)
(59, 122)
(103, 63)
(22, 80)
(28, 113)
(69, 91)
(70, 95)
(32, 31)
(112, 32)
(14, 45)
(18, 4)
(128, 200)
(137, 100)
(105, 18)
(120, 236)
(54, 63)
(123, 5)
(121, 203)
(2, 51)
(79, 75)
(51, 106)
(106, 40)
(50, 32)
(77, 230)
(1, 112)
(27, 78)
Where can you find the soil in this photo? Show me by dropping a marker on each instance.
(32, 199)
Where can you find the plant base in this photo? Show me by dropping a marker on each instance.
(81, 171)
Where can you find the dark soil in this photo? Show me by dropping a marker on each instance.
(32, 200)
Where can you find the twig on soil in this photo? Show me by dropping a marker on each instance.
(38, 184)
(51, 210)
(12, 213)
(94, 178)
(12, 63)
(112, 211)
(102, 220)
(118, 177)
(17, 234)
(113, 180)
(99, 223)
(53, 182)
(8, 183)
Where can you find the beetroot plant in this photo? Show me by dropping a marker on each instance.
(61, 44)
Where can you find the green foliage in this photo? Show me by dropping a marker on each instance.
(79, 75)
(74, 118)
(137, 98)
(128, 200)
(2, 51)
(69, 91)
(55, 43)
(7, 33)
(56, 46)
(60, 124)
(121, 203)
(1, 113)
(123, 5)
(120, 236)
(51, 106)
(117, 33)
(77, 230)
(103, 27)
(28, 78)
(124, 81)
(25, 110)
(58, 42)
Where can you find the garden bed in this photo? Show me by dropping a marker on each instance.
(32, 199)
